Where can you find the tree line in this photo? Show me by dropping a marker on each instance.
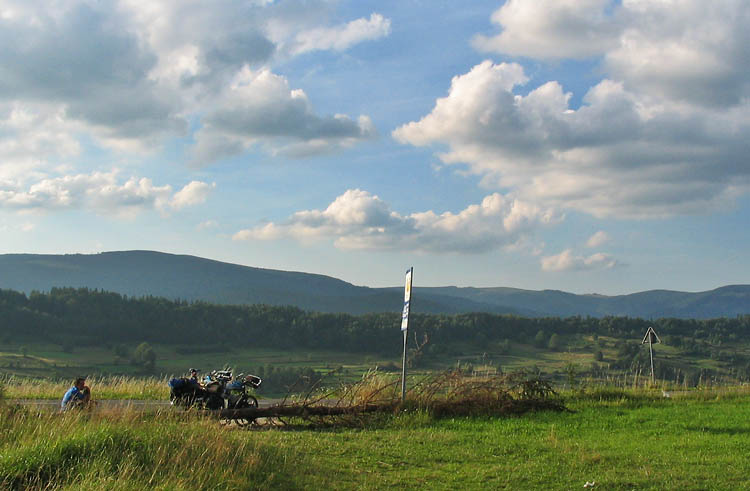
(81, 316)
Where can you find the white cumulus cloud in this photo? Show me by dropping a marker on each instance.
(101, 192)
(663, 134)
(261, 107)
(194, 193)
(340, 38)
(598, 239)
(553, 28)
(616, 155)
(128, 75)
(690, 51)
(567, 261)
(360, 220)
(693, 51)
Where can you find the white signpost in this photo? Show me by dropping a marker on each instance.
(405, 327)
(651, 338)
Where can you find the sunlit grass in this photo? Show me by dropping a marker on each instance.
(122, 449)
(104, 387)
(620, 438)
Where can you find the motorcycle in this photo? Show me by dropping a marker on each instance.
(218, 391)
(188, 392)
(236, 393)
(215, 384)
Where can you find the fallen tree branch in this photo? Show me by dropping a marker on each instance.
(442, 395)
(302, 411)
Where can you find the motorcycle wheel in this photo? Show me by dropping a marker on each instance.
(215, 402)
(246, 402)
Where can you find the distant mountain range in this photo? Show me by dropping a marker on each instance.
(143, 273)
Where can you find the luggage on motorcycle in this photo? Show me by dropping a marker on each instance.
(213, 387)
(178, 383)
(253, 381)
(235, 385)
(184, 387)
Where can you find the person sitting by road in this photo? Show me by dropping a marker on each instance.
(77, 396)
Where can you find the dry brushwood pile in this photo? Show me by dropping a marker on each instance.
(441, 395)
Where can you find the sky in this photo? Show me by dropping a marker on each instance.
(590, 146)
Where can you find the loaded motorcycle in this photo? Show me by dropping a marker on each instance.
(188, 392)
(218, 391)
(238, 397)
(236, 392)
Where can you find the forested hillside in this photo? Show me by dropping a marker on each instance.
(149, 273)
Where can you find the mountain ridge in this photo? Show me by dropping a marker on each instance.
(193, 278)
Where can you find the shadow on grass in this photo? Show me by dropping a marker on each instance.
(719, 430)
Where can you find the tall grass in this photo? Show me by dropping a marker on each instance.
(444, 394)
(123, 449)
(106, 387)
(620, 438)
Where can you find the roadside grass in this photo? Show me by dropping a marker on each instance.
(621, 439)
(127, 450)
(103, 387)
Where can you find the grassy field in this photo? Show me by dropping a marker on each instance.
(45, 360)
(104, 387)
(50, 361)
(619, 439)
(47, 369)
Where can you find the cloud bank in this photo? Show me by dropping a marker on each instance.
(132, 74)
(341, 38)
(550, 29)
(101, 192)
(598, 239)
(261, 107)
(567, 261)
(358, 220)
(663, 134)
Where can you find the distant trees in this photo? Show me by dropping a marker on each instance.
(121, 352)
(81, 317)
(289, 378)
(554, 342)
(145, 356)
(540, 340)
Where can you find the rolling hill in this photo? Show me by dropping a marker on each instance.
(143, 273)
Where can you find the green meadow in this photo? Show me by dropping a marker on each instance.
(619, 439)
(50, 361)
(48, 365)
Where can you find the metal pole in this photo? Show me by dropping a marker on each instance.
(651, 353)
(403, 369)
(405, 328)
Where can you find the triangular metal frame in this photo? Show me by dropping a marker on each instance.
(653, 340)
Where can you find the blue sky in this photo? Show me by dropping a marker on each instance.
(581, 145)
